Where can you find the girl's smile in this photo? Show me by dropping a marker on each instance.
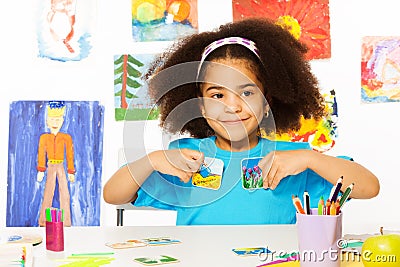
(233, 122)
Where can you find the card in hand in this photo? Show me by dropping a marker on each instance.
(162, 259)
(251, 173)
(210, 174)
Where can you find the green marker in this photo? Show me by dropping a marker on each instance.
(48, 215)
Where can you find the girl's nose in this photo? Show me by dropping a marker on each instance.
(233, 103)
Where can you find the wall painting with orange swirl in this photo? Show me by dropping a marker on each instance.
(380, 69)
(163, 20)
(320, 134)
(307, 20)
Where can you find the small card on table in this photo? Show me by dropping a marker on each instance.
(254, 251)
(158, 241)
(132, 243)
(162, 259)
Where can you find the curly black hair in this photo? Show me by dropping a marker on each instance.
(291, 89)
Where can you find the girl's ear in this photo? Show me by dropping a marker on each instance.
(203, 112)
(201, 106)
(266, 110)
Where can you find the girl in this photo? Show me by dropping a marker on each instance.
(221, 87)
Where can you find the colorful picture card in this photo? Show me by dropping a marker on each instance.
(254, 251)
(132, 243)
(162, 259)
(159, 241)
(210, 174)
(251, 173)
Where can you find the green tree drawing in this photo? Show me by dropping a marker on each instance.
(125, 68)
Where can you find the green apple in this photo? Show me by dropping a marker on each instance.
(381, 250)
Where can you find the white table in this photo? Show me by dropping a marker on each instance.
(200, 245)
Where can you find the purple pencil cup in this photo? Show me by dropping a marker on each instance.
(55, 236)
(319, 239)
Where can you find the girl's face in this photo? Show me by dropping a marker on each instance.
(233, 103)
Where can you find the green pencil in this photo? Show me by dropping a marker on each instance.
(92, 254)
(346, 194)
(321, 206)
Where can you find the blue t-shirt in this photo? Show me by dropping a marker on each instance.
(231, 203)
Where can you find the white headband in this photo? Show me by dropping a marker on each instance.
(226, 41)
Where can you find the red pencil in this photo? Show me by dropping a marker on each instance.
(328, 207)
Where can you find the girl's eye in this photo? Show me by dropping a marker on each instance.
(217, 96)
(247, 93)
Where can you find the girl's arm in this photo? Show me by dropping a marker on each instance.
(292, 162)
(331, 168)
(122, 187)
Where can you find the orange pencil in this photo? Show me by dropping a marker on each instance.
(337, 206)
(297, 205)
(333, 209)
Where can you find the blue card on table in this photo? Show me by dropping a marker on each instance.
(250, 251)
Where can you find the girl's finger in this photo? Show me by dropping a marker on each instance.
(266, 163)
(193, 155)
(183, 176)
(274, 183)
(271, 175)
(265, 182)
(193, 166)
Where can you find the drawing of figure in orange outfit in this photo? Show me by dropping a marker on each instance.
(52, 148)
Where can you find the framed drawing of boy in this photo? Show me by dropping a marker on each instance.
(54, 160)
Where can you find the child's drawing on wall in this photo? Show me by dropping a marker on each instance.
(64, 29)
(53, 146)
(132, 101)
(380, 69)
(55, 160)
(163, 20)
(307, 20)
(61, 19)
(320, 134)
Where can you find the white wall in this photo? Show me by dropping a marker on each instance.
(369, 133)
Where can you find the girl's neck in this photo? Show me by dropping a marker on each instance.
(238, 146)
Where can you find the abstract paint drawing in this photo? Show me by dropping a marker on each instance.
(54, 160)
(306, 20)
(320, 134)
(380, 69)
(64, 29)
(132, 101)
(163, 20)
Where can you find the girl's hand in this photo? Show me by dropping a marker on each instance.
(279, 164)
(178, 162)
